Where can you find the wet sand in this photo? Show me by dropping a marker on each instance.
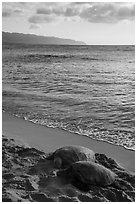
(49, 139)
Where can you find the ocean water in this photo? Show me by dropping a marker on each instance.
(89, 90)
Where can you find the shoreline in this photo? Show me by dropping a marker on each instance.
(49, 139)
(69, 131)
(75, 133)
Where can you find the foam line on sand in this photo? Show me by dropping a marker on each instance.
(48, 139)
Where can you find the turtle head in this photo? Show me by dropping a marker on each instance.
(57, 162)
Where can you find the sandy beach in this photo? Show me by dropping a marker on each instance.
(68, 102)
(49, 139)
(28, 176)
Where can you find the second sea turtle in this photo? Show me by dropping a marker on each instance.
(84, 174)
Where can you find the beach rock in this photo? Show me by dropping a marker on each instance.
(29, 152)
(65, 156)
(40, 197)
(67, 199)
(107, 162)
(8, 175)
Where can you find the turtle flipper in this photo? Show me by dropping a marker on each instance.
(80, 185)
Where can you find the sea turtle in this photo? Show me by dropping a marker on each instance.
(84, 174)
(65, 156)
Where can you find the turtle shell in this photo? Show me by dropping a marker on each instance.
(65, 156)
(91, 173)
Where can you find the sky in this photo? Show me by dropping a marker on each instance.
(90, 22)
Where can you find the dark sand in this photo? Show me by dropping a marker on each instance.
(48, 139)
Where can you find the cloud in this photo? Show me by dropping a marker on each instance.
(17, 11)
(38, 19)
(43, 11)
(89, 11)
(126, 13)
(94, 12)
(11, 12)
(34, 26)
(108, 12)
(35, 19)
(59, 10)
(6, 14)
(71, 12)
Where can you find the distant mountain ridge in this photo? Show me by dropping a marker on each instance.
(37, 39)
